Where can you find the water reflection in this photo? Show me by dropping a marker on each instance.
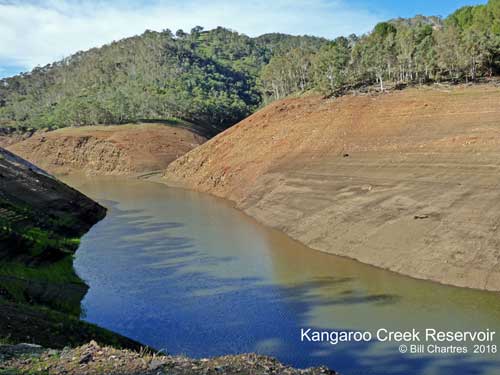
(188, 273)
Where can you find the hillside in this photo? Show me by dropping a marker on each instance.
(405, 181)
(464, 47)
(41, 221)
(218, 77)
(108, 150)
(205, 77)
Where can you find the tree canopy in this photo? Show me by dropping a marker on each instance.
(204, 77)
(216, 78)
(463, 47)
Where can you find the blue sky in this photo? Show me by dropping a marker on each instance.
(405, 8)
(37, 32)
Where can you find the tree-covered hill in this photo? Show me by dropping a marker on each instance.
(204, 77)
(216, 78)
(464, 47)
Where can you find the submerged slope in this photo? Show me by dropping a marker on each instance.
(111, 150)
(406, 181)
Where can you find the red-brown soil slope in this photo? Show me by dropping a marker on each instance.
(112, 150)
(408, 181)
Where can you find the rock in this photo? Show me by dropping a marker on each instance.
(155, 364)
(86, 358)
(420, 217)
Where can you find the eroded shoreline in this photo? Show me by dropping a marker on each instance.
(405, 181)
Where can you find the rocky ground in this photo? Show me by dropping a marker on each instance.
(110, 150)
(93, 359)
(406, 181)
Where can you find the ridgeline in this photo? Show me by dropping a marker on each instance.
(208, 78)
(216, 78)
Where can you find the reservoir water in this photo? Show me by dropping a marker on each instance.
(189, 274)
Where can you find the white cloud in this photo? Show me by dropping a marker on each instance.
(38, 32)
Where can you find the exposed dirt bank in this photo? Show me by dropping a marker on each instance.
(110, 150)
(407, 181)
(10, 136)
(93, 359)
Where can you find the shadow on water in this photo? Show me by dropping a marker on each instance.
(163, 283)
(345, 297)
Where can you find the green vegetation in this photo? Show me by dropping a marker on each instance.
(204, 77)
(215, 78)
(41, 221)
(36, 263)
(463, 48)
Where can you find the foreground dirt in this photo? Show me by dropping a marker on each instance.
(407, 181)
(93, 359)
(108, 150)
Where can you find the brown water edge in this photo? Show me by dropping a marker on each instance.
(334, 292)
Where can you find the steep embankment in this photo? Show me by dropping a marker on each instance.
(407, 181)
(113, 150)
(41, 220)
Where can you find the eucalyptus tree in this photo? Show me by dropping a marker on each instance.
(331, 65)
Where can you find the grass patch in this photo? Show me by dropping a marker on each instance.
(60, 272)
(36, 264)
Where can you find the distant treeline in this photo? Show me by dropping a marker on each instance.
(216, 78)
(463, 47)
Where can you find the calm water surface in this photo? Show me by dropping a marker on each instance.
(188, 273)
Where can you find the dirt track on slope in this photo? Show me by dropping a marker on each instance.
(407, 181)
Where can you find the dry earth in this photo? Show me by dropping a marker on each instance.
(110, 150)
(10, 136)
(407, 181)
